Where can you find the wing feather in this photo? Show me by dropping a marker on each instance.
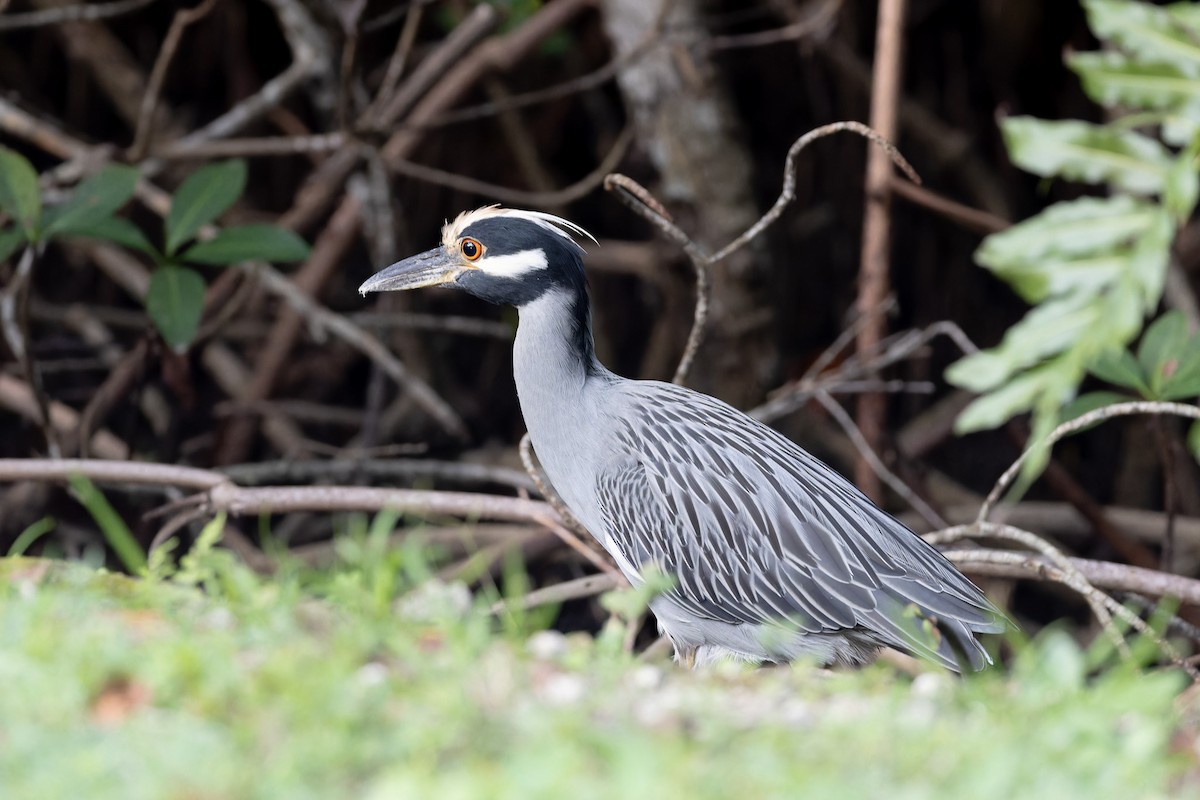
(757, 531)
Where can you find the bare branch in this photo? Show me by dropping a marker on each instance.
(865, 451)
(166, 53)
(310, 55)
(336, 324)
(1077, 424)
(390, 106)
(588, 586)
(1062, 570)
(84, 12)
(252, 147)
(14, 319)
(407, 468)
(122, 472)
(505, 194)
(1102, 574)
(788, 194)
(636, 197)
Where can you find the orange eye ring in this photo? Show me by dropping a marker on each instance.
(471, 249)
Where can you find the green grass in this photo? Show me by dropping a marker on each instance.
(322, 686)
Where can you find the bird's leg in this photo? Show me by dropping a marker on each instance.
(687, 657)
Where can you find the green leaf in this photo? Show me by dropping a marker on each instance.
(1150, 33)
(1044, 418)
(997, 407)
(119, 537)
(1180, 130)
(1182, 379)
(1046, 330)
(1112, 80)
(1193, 440)
(1050, 383)
(1182, 187)
(1149, 258)
(174, 302)
(205, 195)
(1089, 153)
(1187, 15)
(118, 230)
(248, 243)
(11, 240)
(1119, 367)
(1080, 228)
(95, 199)
(19, 191)
(1164, 341)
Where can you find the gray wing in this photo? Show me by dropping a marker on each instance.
(756, 531)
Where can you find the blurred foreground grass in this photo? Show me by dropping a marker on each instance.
(216, 683)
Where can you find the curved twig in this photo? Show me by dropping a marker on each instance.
(645, 205)
(788, 194)
(1061, 570)
(1077, 424)
(898, 486)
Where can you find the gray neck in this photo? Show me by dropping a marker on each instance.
(553, 355)
(555, 368)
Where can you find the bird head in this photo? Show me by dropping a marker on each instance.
(497, 254)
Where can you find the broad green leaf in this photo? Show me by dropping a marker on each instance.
(1187, 15)
(1119, 367)
(1164, 341)
(1075, 229)
(19, 191)
(1047, 329)
(95, 199)
(205, 195)
(1089, 153)
(1090, 402)
(1036, 281)
(1150, 257)
(1014, 397)
(1182, 187)
(248, 243)
(1180, 130)
(1150, 33)
(1112, 79)
(1183, 378)
(174, 302)
(1193, 440)
(11, 240)
(1120, 316)
(118, 230)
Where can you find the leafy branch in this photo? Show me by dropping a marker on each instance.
(1094, 268)
(175, 297)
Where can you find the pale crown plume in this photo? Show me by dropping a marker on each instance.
(452, 231)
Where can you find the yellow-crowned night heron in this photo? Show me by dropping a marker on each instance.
(775, 555)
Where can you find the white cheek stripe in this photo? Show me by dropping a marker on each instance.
(514, 265)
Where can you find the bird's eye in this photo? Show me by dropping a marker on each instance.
(471, 249)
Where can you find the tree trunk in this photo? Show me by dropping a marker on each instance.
(687, 125)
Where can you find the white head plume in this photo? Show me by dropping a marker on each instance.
(452, 231)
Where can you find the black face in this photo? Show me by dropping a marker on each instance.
(512, 258)
(520, 278)
(501, 259)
